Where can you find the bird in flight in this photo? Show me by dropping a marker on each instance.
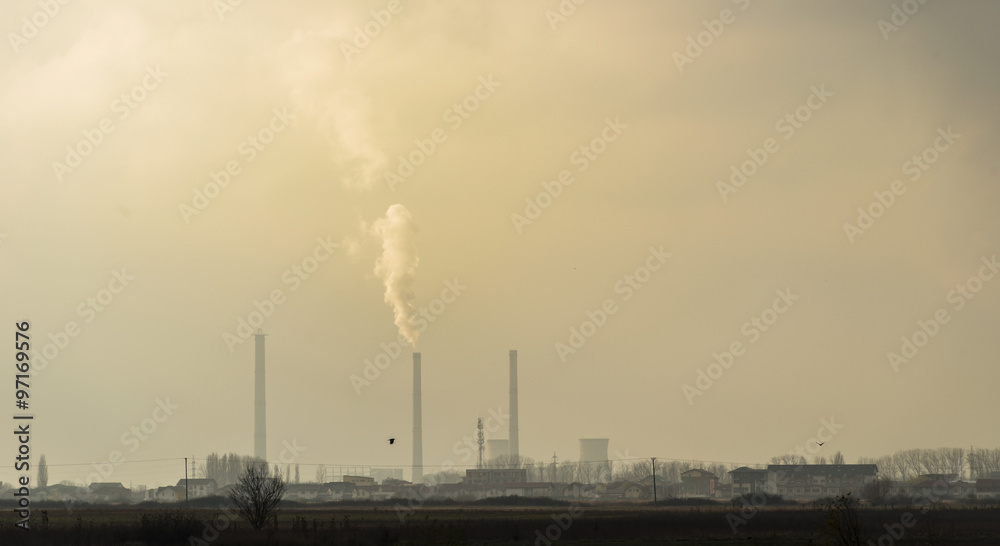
(391, 441)
(820, 444)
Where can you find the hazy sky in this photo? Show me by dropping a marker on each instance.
(493, 100)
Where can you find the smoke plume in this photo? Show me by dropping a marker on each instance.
(397, 266)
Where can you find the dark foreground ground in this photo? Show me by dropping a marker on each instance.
(559, 524)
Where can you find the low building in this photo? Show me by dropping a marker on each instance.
(109, 492)
(747, 481)
(698, 482)
(302, 491)
(661, 485)
(197, 488)
(626, 491)
(961, 490)
(478, 476)
(167, 494)
(814, 481)
(360, 480)
(573, 490)
(988, 488)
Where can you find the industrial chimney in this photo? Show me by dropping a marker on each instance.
(512, 426)
(259, 414)
(418, 437)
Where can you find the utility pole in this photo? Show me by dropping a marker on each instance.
(654, 481)
(185, 482)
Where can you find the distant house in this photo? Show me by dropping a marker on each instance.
(698, 482)
(661, 486)
(302, 491)
(573, 490)
(197, 488)
(60, 492)
(747, 481)
(961, 490)
(168, 494)
(988, 488)
(813, 481)
(108, 492)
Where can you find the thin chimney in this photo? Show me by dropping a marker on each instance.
(260, 413)
(418, 437)
(512, 431)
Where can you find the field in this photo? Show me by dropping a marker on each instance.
(456, 524)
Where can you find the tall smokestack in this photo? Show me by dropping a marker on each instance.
(512, 431)
(418, 437)
(259, 414)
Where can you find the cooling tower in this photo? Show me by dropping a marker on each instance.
(259, 412)
(496, 448)
(512, 426)
(418, 437)
(594, 451)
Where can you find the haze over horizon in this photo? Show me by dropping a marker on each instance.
(807, 190)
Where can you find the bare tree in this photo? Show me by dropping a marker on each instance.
(876, 490)
(296, 472)
(567, 471)
(844, 523)
(838, 458)
(256, 495)
(789, 458)
(320, 474)
(43, 472)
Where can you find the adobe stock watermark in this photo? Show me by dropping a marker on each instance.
(582, 158)
(249, 148)
(899, 16)
(626, 286)
(916, 166)
(123, 105)
(293, 277)
(225, 7)
(698, 43)
(32, 25)
(786, 126)
(88, 309)
(455, 116)
(374, 367)
(562, 12)
(752, 329)
(750, 508)
(958, 297)
(364, 35)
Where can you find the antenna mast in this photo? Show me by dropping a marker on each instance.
(481, 441)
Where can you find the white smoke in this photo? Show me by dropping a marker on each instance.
(397, 266)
